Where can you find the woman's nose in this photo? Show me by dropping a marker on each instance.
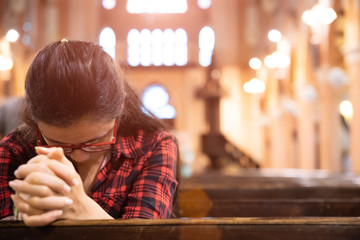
(79, 155)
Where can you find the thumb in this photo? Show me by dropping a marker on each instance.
(57, 153)
(42, 150)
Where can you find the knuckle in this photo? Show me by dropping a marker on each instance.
(30, 178)
(21, 168)
(23, 207)
(33, 177)
(35, 202)
(44, 191)
(43, 168)
(53, 164)
(38, 159)
(27, 221)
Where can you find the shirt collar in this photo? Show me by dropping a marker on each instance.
(130, 146)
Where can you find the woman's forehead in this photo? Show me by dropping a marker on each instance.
(82, 131)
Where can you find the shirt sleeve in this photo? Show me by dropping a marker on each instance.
(153, 190)
(6, 174)
(2, 121)
(13, 153)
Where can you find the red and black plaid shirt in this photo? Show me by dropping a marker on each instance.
(138, 181)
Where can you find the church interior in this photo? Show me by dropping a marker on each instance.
(262, 95)
(243, 84)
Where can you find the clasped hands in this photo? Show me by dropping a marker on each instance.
(48, 188)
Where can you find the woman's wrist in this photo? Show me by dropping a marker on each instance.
(92, 210)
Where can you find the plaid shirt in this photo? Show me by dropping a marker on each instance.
(137, 182)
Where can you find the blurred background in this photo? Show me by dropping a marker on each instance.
(244, 84)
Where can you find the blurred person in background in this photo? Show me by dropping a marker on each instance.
(11, 111)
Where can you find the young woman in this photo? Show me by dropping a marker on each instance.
(88, 150)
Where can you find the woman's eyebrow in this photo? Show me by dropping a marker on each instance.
(91, 140)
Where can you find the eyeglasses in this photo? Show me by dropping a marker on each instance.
(95, 147)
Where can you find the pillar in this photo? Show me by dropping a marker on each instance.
(352, 61)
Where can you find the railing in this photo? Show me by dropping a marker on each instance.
(319, 228)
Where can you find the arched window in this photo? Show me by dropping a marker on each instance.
(206, 45)
(156, 99)
(157, 47)
(204, 4)
(108, 4)
(181, 51)
(156, 6)
(107, 40)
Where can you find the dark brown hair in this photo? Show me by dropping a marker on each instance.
(71, 79)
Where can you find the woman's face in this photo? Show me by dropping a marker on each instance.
(85, 131)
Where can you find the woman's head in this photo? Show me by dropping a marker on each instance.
(71, 80)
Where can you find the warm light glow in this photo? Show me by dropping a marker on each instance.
(318, 15)
(5, 63)
(329, 16)
(283, 46)
(274, 35)
(346, 109)
(12, 35)
(204, 4)
(108, 4)
(269, 61)
(277, 60)
(254, 86)
(156, 6)
(308, 18)
(255, 63)
(281, 60)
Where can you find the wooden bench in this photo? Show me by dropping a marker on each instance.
(319, 228)
(216, 195)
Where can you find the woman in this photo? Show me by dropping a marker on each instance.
(88, 150)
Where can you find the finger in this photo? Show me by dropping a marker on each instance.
(41, 219)
(25, 169)
(42, 163)
(69, 175)
(42, 150)
(31, 189)
(23, 206)
(51, 202)
(53, 182)
(19, 216)
(58, 154)
(38, 158)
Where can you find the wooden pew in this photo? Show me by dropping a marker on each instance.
(320, 228)
(217, 195)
